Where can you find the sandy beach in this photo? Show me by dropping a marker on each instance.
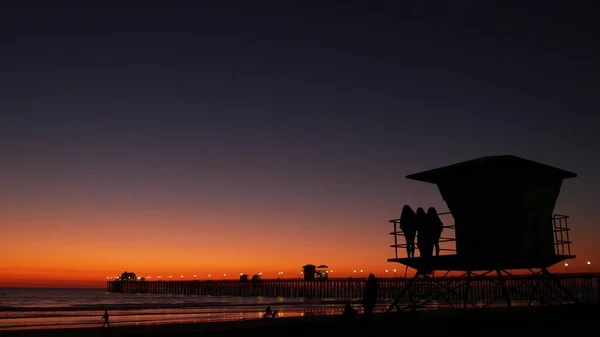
(567, 319)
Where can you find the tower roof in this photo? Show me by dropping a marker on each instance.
(487, 166)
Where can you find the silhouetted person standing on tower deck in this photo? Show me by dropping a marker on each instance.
(105, 318)
(409, 229)
(424, 241)
(435, 226)
(371, 294)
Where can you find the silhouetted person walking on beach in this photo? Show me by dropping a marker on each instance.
(424, 241)
(435, 226)
(371, 294)
(105, 318)
(409, 229)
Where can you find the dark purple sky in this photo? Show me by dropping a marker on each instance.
(290, 109)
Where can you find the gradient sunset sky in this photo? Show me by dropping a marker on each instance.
(227, 136)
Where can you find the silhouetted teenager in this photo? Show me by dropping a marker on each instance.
(105, 318)
(436, 226)
(371, 294)
(424, 241)
(409, 229)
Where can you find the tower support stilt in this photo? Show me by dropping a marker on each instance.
(426, 291)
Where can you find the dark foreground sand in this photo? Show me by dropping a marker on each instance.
(566, 320)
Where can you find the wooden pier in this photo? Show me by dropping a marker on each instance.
(582, 286)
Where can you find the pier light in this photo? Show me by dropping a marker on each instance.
(170, 276)
(354, 271)
(386, 270)
(301, 273)
(241, 274)
(260, 273)
(209, 276)
(361, 270)
(331, 271)
(195, 276)
(107, 277)
(159, 277)
(181, 276)
(589, 263)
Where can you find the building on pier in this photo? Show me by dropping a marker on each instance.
(309, 272)
(315, 273)
(322, 273)
(503, 220)
(127, 276)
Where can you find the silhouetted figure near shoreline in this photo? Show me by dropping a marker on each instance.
(370, 299)
(435, 226)
(349, 314)
(105, 318)
(270, 313)
(409, 229)
(424, 241)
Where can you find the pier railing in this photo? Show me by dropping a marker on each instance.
(582, 286)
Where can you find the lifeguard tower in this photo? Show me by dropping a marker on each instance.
(503, 220)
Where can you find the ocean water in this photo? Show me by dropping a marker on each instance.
(31, 308)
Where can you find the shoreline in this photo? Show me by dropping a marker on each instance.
(571, 318)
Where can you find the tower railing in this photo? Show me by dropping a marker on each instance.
(562, 243)
(446, 240)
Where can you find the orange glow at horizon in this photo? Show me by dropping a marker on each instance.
(52, 246)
